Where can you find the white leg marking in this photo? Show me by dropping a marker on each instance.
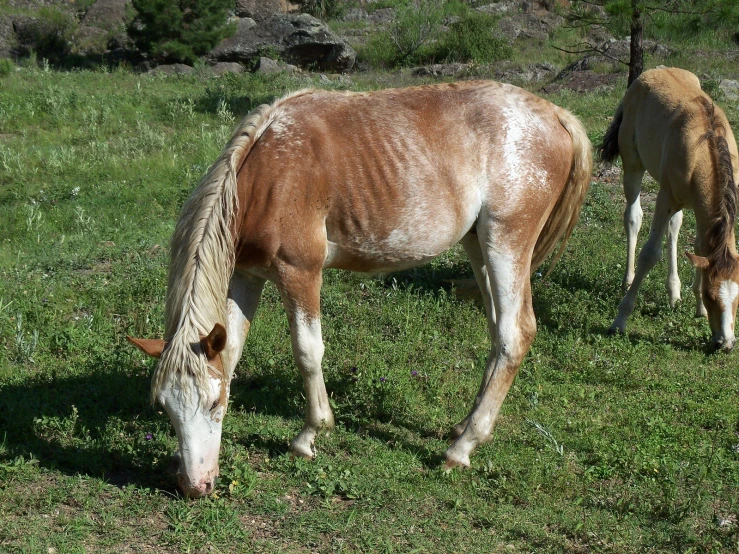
(650, 254)
(471, 246)
(632, 221)
(308, 349)
(673, 279)
(727, 293)
(515, 329)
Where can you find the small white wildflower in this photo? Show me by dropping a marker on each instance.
(75, 191)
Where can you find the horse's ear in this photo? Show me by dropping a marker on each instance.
(215, 342)
(699, 262)
(151, 347)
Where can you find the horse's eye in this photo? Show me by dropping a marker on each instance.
(215, 404)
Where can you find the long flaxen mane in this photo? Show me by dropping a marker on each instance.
(202, 257)
(721, 233)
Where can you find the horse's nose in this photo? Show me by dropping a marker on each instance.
(203, 488)
(723, 345)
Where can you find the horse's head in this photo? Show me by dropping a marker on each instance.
(720, 294)
(195, 407)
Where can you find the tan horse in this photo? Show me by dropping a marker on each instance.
(373, 182)
(669, 127)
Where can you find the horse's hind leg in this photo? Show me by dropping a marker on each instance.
(300, 290)
(632, 218)
(673, 279)
(650, 254)
(471, 245)
(514, 331)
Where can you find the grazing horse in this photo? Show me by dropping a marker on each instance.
(371, 182)
(669, 127)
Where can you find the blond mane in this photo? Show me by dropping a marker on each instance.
(202, 256)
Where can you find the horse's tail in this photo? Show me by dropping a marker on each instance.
(608, 149)
(566, 211)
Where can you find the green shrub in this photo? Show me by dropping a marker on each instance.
(414, 26)
(49, 35)
(179, 30)
(473, 39)
(325, 9)
(6, 67)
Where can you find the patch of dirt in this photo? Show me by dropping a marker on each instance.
(585, 81)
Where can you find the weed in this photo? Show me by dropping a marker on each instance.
(24, 347)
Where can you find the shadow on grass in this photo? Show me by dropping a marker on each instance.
(37, 420)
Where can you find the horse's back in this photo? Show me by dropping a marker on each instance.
(665, 116)
(392, 178)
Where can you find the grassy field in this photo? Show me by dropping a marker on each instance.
(608, 444)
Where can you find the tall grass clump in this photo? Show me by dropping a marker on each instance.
(472, 39)
(417, 36)
(414, 26)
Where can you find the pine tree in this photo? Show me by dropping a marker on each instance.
(179, 30)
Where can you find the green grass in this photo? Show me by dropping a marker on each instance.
(607, 444)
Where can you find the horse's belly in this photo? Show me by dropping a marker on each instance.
(399, 249)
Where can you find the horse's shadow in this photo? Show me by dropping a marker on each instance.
(65, 424)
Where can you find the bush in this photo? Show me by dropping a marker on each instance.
(415, 37)
(179, 30)
(324, 9)
(413, 28)
(6, 67)
(472, 39)
(49, 35)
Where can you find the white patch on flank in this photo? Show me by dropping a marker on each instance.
(520, 127)
(727, 293)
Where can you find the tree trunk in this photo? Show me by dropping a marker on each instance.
(636, 59)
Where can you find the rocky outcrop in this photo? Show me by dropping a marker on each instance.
(298, 38)
(261, 10)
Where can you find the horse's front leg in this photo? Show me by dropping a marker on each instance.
(673, 279)
(632, 220)
(650, 254)
(300, 290)
(244, 292)
(514, 331)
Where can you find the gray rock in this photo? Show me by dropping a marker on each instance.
(298, 38)
(267, 65)
(382, 16)
(7, 37)
(355, 14)
(529, 74)
(172, 69)
(440, 70)
(529, 25)
(221, 68)
(260, 10)
(106, 14)
(730, 88)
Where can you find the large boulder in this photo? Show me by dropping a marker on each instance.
(7, 37)
(103, 27)
(298, 38)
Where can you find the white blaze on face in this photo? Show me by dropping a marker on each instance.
(728, 292)
(198, 432)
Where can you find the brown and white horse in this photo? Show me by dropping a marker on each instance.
(669, 127)
(371, 182)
